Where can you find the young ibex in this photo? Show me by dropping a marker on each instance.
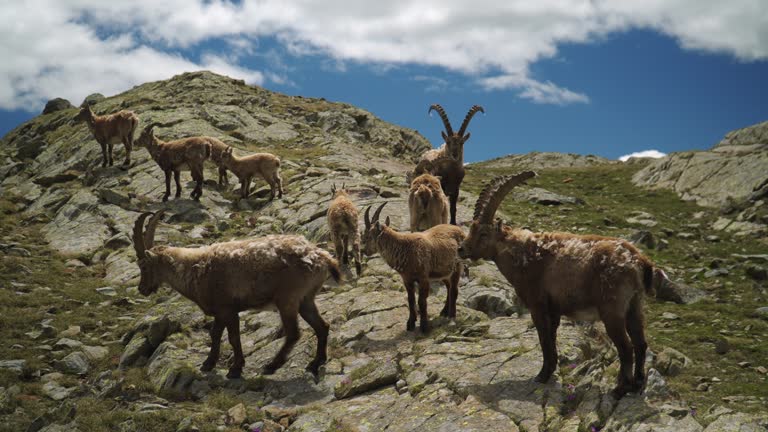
(174, 156)
(264, 165)
(224, 279)
(451, 174)
(110, 129)
(342, 226)
(585, 277)
(419, 258)
(427, 204)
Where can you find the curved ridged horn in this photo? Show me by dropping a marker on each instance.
(471, 113)
(138, 235)
(367, 218)
(378, 212)
(443, 115)
(493, 194)
(149, 234)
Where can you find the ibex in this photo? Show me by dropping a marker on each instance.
(174, 156)
(451, 174)
(419, 258)
(342, 226)
(585, 277)
(264, 165)
(224, 279)
(427, 204)
(110, 129)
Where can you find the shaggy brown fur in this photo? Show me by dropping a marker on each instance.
(217, 150)
(264, 165)
(585, 277)
(342, 226)
(224, 279)
(110, 129)
(451, 174)
(419, 258)
(175, 156)
(427, 204)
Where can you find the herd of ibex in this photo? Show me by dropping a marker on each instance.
(584, 277)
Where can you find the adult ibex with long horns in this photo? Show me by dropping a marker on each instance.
(450, 156)
(584, 277)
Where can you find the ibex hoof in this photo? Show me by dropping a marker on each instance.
(234, 373)
(425, 328)
(314, 367)
(444, 312)
(410, 325)
(207, 366)
(268, 370)
(619, 392)
(542, 377)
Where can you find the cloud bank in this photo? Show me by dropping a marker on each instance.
(56, 48)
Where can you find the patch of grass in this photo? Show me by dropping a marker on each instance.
(222, 399)
(40, 288)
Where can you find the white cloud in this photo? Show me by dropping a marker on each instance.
(52, 48)
(47, 53)
(538, 92)
(655, 154)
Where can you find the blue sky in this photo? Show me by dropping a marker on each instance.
(564, 75)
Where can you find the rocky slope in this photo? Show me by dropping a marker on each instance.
(98, 356)
(733, 174)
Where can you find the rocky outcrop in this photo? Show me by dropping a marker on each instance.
(56, 104)
(540, 160)
(734, 170)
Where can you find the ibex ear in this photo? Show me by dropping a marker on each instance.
(151, 254)
(499, 224)
(466, 137)
(439, 178)
(386, 221)
(445, 137)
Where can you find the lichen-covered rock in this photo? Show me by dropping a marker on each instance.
(370, 376)
(74, 363)
(55, 391)
(92, 99)
(78, 227)
(16, 366)
(136, 352)
(679, 292)
(56, 104)
(732, 170)
(170, 370)
(671, 362)
(544, 197)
